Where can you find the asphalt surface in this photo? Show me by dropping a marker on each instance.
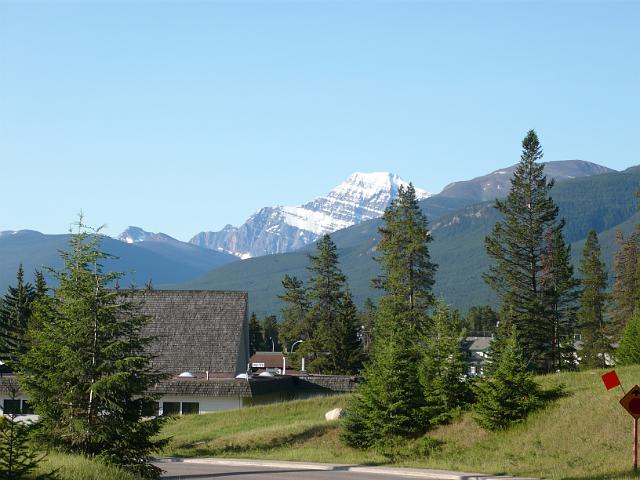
(192, 471)
(240, 469)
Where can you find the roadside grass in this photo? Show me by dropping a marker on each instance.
(76, 467)
(585, 435)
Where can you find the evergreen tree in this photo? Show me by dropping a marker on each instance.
(15, 312)
(367, 322)
(593, 302)
(256, 336)
(18, 460)
(340, 341)
(408, 273)
(270, 333)
(561, 292)
(509, 394)
(390, 401)
(295, 320)
(626, 288)
(628, 352)
(517, 245)
(87, 371)
(482, 321)
(442, 368)
(326, 293)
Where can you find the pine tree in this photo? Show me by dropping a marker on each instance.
(390, 402)
(295, 321)
(442, 368)
(18, 459)
(408, 273)
(256, 336)
(15, 312)
(482, 321)
(626, 288)
(593, 302)
(340, 340)
(87, 371)
(326, 293)
(628, 352)
(270, 333)
(367, 323)
(516, 245)
(509, 394)
(561, 292)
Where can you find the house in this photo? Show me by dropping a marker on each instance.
(476, 354)
(201, 341)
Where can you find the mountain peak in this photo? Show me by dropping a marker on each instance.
(361, 197)
(133, 234)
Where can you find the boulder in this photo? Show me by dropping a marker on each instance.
(334, 414)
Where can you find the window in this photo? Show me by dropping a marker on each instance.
(170, 408)
(150, 409)
(26, 408)
(11, 407)
(190, 408)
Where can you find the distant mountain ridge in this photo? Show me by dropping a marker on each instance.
(361, 197)
(497, 183)
(459, 225)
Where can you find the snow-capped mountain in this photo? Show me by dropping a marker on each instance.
(279, 229)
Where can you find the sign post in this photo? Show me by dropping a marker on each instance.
(631, 403)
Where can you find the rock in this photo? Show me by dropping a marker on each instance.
(334, 414)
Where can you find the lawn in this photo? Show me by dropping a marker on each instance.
(584, 435)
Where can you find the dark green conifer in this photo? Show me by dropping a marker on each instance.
(442, 369)
(295, 319)
(625, 294)
(628, 352)
(593, 304)
(517, 245)
(390, 402)
(270, 333)
(15, 312)
(560, 296)
(256, 336)
(87, 371)
(482, 321)
(509, 394)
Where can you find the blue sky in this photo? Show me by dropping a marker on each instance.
(185, 116)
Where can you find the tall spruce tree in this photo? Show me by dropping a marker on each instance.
(367, 324)
(390, 402)
(482, 320)
(15, 312)
(256, 336)
(625, 294)
(332, 316)
(295, 320)
(270, 333)
(516, 246)
(509, 393)
(87, 371)
(593, 303)
(560, 295)
(442, 369)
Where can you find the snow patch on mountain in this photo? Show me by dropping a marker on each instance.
(361, 197)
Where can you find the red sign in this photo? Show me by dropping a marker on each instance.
(631, 401)
(610, 380)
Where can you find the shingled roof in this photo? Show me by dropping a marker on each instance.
(198, 331)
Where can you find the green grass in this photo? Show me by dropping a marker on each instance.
(75, 467)
(583, 435)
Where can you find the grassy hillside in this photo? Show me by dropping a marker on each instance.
(603, 202)
(584, 435)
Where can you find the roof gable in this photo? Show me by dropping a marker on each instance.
(195, 330)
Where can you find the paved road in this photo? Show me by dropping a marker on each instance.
(192, 471)
(237, 469)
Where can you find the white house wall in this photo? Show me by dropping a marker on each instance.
(207, 404)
